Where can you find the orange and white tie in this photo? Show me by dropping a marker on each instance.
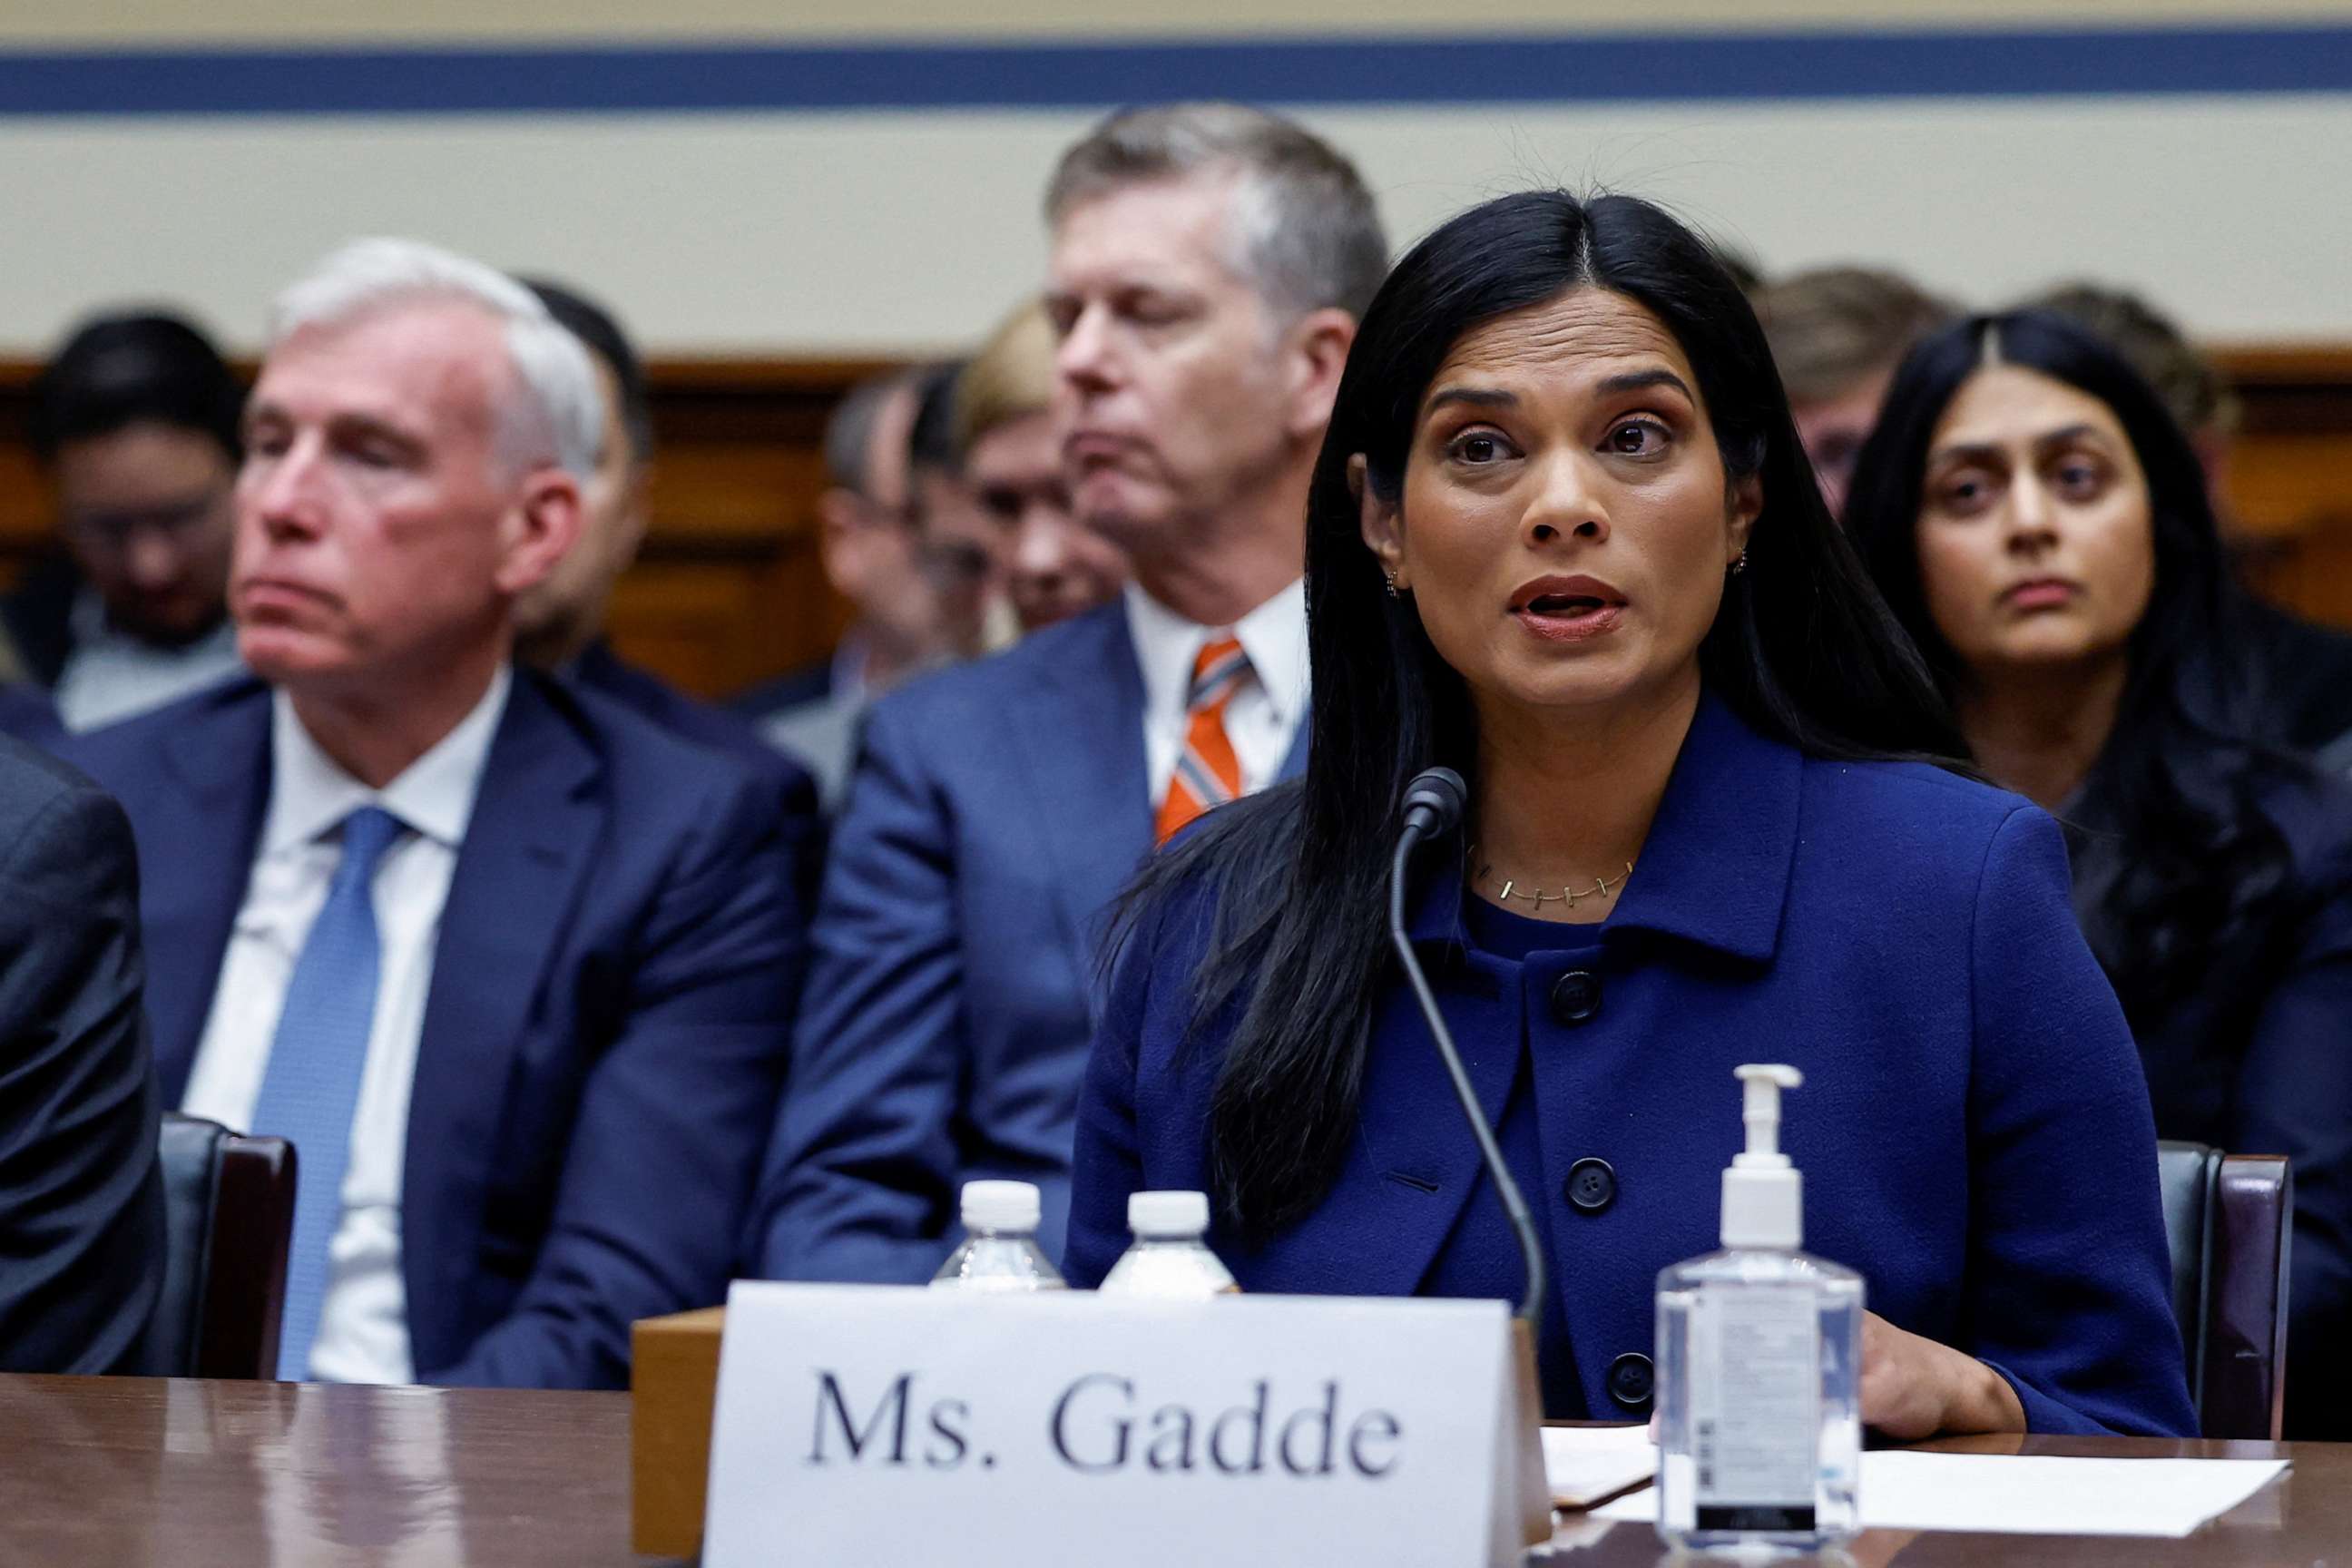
(1207, 773)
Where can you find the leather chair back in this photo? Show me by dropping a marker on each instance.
(228, 1205)
(2228, 1218)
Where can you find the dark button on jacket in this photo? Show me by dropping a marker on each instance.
(1591, 1185)
(1576, 997)
(1632, 1380)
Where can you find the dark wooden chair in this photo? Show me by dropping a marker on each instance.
(228, 1203)
(2229, 1218)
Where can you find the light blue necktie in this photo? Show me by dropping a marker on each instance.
(312, 1084)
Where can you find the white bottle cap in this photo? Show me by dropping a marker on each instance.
(1167, 1215)
(1002, 1206)
(1763, 1194)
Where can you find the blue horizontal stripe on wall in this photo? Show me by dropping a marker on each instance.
(1588, 69)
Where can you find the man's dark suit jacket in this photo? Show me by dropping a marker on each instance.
(612, 990)
(998, 808)
(81, 1205)
(27, 712)
(37, 614)
(600, 669)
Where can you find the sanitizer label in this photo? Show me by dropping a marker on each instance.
(1756, 1397)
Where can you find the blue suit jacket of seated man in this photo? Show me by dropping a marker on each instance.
(607, 1034)
(1973, 1131)
(998, 809)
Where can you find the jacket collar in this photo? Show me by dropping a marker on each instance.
(1716, 867)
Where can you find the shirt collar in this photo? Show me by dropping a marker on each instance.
(1716, 866)
(310, 793)
(1274, 635)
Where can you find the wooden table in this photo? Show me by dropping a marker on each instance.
(127, 1471)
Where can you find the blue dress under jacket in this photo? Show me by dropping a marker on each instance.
(1974, 1130)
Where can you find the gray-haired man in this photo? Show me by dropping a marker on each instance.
(1208, 264)
(512, 965)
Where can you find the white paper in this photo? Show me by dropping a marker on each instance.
(940, 1429)
(1585, 1464)
(2040, 1494)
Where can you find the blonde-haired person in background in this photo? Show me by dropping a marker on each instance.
(1010, 447)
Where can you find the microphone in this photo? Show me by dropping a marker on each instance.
(1432, 809)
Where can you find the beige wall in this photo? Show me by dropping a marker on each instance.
(817, 233)
(851, 233)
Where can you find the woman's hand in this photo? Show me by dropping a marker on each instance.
(1913, 1388)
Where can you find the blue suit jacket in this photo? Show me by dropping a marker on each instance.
(997, 810)
(601, 670)
(1973, 1132)
(611, 990)
(81, 1205)
(27, 713)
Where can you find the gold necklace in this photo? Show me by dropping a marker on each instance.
(1602, 888)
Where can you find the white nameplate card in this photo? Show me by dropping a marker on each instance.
(864, 1423)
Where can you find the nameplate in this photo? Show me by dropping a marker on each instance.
(913, 1427)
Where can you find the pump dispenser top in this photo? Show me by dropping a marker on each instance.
(1763, 1194)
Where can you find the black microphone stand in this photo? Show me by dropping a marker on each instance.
(1434, 805)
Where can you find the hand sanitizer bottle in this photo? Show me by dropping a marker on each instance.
(1759, 1358)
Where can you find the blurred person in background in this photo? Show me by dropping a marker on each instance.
(511, 965)
(560, 623)
(134, 422)
(1837, 334)
(1208, 262)
(964, 547)
(2305, 698)
(1010, 452)
(2042, 527)
(872, 555)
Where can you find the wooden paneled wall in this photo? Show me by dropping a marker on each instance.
(728, 590)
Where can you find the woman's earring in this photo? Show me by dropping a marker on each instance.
(1741, 564)
(1390, 578)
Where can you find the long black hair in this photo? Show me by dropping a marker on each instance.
(2179, 788)
(1802, 649)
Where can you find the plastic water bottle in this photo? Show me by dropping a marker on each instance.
(1000, 1253)
(1169, 1261)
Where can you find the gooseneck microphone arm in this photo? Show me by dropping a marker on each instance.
(1432, 809)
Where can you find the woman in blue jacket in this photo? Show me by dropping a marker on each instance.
(1562, 538)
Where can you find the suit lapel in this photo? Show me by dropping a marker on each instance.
(538, 821)
(1080, 726)
(197, 858)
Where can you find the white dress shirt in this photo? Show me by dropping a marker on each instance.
(1261, 717)
(111, 675)
(363, 1321)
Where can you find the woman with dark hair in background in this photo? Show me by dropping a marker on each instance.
(1562, 538)
(2042, 528)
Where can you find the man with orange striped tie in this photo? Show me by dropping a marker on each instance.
(1209, 262)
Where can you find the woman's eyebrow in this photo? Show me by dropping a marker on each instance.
(2068, 436)
(1639, 380)
(1476, 397)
